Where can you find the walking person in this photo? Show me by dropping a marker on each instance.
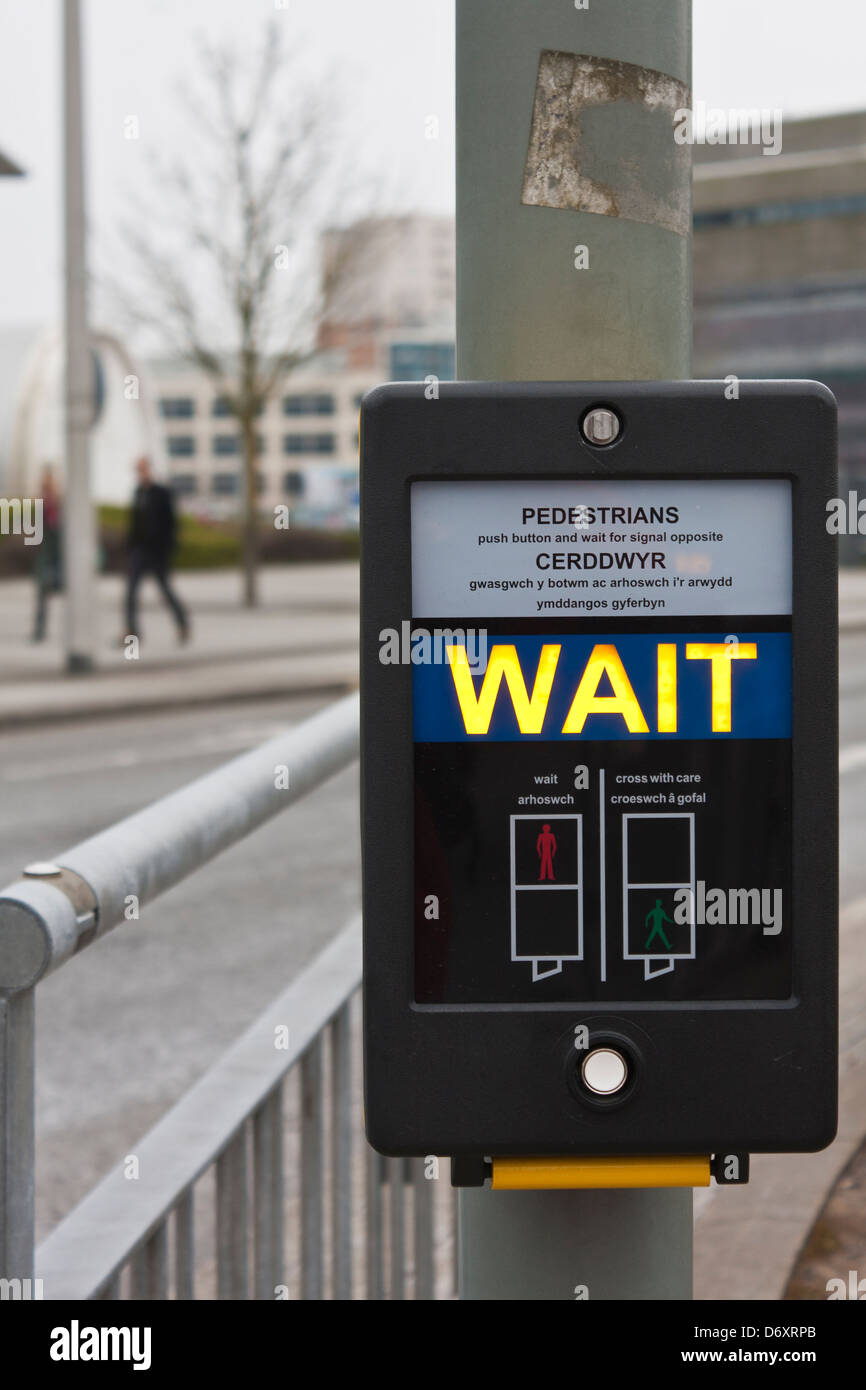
(47, 572)
(151, 543)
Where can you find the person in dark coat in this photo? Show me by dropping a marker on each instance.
(151, 542)
(49, 579)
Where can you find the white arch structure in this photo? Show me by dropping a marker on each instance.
(125, 429)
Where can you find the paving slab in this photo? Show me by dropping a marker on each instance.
(747, 1239)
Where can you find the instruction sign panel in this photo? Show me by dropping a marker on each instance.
(602, 720)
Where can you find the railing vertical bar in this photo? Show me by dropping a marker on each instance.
(232, 1219)
(158, 1256)
(454, 1220)
(268, 1194)
(17, 1143)
(110, 1291)
(341, 1154)
(312, 1147)
(138, 1275)
(422, 1213)
(150, 1268)
(375, 1271)
(184, 1248)
(397, 1234)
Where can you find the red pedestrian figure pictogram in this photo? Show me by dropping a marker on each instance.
(545, 847)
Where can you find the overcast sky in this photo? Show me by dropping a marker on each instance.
(804, 56)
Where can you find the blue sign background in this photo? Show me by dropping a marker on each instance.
(760, 703)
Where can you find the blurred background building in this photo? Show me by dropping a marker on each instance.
(307, 441)
(780, 271)
(402, 276)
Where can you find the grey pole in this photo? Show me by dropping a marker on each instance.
(589, 162)
(79, 540)
(573, 263)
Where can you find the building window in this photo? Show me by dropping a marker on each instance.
(177, 407)
(220, 407)
(225, 484)
(184, 484)
(293, 484)
(309, 443)
(225, 445)
(417, 360)
(180, 446)
(313, 403)
(793, 210)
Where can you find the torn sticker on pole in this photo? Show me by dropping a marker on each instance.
(602, 141)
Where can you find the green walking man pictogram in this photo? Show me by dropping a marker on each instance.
(657, 915)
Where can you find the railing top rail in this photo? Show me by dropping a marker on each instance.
(45, 919)
(97, 1238)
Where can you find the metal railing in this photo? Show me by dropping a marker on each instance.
(203, 1206)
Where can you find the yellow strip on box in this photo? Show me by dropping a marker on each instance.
(526, 1174)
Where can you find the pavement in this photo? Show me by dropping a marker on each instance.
(747, 1239)
(302, 639)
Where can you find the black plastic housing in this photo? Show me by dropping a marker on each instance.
(459, 1080)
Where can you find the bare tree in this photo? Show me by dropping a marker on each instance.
(225, 269)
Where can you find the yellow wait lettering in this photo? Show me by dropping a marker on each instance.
(477, 711)
(605, 660)
(667, 687)
(720, 655)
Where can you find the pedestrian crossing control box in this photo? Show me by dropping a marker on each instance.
(599, 768)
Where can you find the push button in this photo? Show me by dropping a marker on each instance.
(604, 1071)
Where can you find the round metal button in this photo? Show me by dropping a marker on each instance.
(604, 1071)
(600, 426)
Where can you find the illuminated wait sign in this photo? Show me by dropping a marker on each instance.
(569, 686)
(604, 661)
